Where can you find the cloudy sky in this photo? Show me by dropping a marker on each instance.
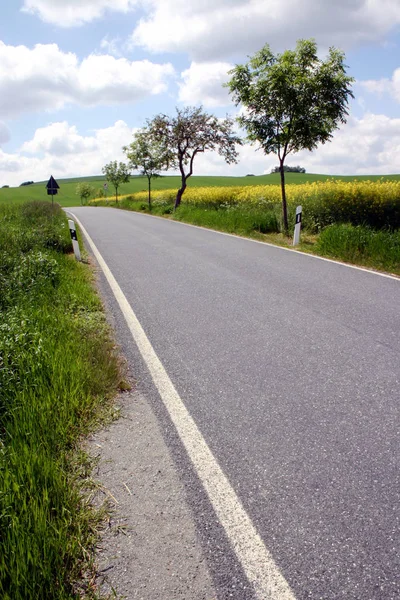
(77, 77)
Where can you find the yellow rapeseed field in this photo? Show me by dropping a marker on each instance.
(376, 203)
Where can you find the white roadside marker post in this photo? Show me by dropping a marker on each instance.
(74, 239)
(297, 227)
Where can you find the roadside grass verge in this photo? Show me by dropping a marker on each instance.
(58, 373)
(361, 245)
(229, 218)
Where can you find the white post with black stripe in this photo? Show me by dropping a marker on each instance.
(297, 227)
(74, 239)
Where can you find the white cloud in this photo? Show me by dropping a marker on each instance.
(366, 146)
(376, 86)
(69, 13)
(202, 84)
(384, 86)
(45, 78)
(59, 139)
(111, 46)
(209, 30)
(59, 149)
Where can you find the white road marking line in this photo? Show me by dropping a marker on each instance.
(246, 239)
(256, 560)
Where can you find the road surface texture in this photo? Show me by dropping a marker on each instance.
(149, 550)
(289, 367)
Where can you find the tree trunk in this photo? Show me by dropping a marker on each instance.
(284, 204)
(179, 195)
(149, 180)
(116, 194)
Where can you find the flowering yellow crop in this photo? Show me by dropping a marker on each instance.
(376, 203)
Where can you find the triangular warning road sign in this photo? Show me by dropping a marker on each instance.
(52, 184)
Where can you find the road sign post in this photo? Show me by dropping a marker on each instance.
(105, 187)
(74, 238)
(297, 227)
(52, 188)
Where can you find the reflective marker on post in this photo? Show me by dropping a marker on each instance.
(297, 227)
(74, 239)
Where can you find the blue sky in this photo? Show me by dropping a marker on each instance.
(77, 77)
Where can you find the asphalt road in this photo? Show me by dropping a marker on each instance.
(290, 367)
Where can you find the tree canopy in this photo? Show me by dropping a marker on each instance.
(191, 132)
(292, 101)
(84, 191)
(116, 173)
(148, 156)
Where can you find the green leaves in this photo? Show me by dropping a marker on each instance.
(116, 173)
(292, 101)
(84, 191)
(148, 155)
(190, 132)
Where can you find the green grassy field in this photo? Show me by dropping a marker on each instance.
(68, 197)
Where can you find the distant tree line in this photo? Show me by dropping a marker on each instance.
(288, 169)
(26, 183)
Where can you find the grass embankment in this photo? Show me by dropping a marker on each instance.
(67, 193)
(355, 221)
(361, 246)
(58, 371)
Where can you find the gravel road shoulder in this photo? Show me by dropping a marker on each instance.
(149, 550)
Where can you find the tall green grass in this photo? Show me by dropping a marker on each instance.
(232, 219)
(361, 245)
(57, 368)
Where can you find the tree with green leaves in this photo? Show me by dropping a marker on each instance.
(191, 132)
(84, 191)
(292, 101)
(116, 173)
(147, 156)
